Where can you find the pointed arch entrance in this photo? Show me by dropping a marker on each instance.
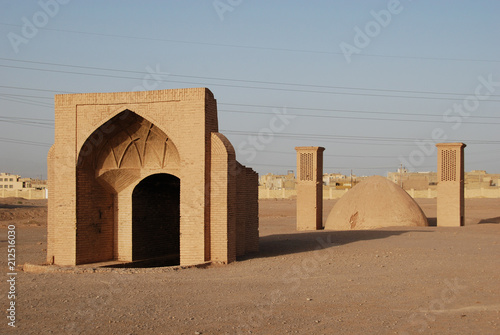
(156, 219)
(123, 159)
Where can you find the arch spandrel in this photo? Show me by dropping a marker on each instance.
(128, 142)
(103, 120)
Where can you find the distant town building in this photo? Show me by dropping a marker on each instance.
(424, 180)
(38, 184)
(12, 185)
(278, 182)
(15, 182)
(413, 180)
(288, 182)
(480, 178)
(333, 178)
(340, 181)
(11, 181)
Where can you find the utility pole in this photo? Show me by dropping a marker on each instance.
(351, 178)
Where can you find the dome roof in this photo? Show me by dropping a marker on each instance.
(374, 203)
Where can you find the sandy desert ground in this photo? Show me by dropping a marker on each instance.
(430, 280)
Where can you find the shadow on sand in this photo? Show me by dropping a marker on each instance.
(156, 262)
(433, 221)
(285, 244)
(6, 206)
(490, 220)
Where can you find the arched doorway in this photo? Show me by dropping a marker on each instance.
(111, 161)
(156, 219)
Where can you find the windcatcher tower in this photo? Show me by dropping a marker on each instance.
(450, 198)
(309, 188)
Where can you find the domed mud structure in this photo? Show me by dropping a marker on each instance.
(374, 203)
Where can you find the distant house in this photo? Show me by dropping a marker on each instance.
(278, 182)
(12, 185)
(474, 179)
(11, 181)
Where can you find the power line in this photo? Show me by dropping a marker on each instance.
(259, 47)
(297, 108)
(33, 89)
(364, 118)
(357, 156)
(4, 95)
(329, 155)
(345, 110)
(48, 121)
(354, 138)
(314, 109)
(24, 142)
(331, 167)
(238, 80)
(27, 124)
(249, 87)
(336, 168)
(33, 122)
(327, 116)
(24, 95)
(25, 101)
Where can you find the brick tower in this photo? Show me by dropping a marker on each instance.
(309, 188)
(450, 198)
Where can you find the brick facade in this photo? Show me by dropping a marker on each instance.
(137, 175)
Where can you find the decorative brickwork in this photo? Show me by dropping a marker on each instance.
(306, 166)
(450, 190)
(140, 175)
(448, 165)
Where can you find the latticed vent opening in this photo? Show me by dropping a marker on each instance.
(306, 166)
(448, 165)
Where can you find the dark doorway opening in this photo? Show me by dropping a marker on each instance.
(156, 220)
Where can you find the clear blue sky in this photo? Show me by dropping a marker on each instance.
(366, 86)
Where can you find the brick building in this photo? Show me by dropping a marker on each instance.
(142, 175)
